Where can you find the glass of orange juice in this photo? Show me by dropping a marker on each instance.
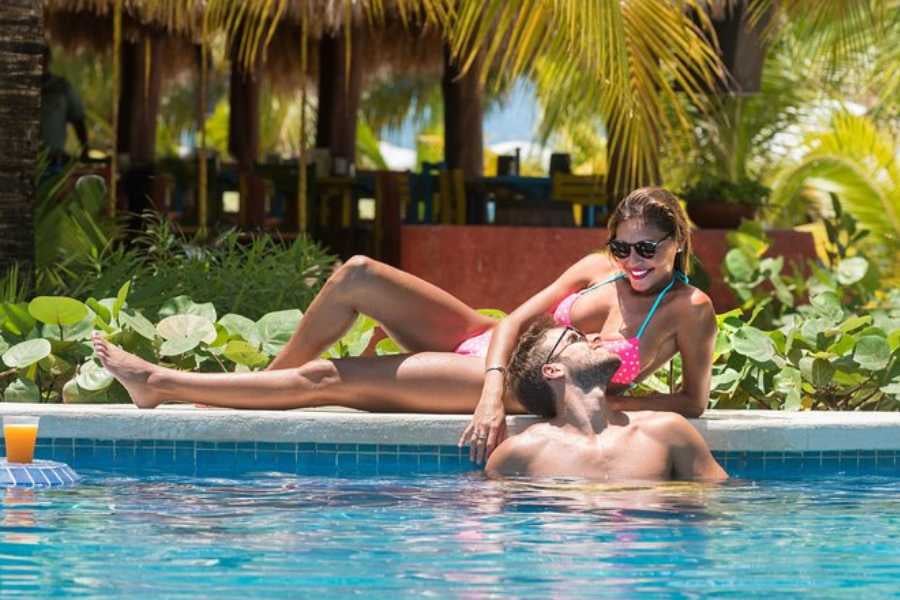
(20, 434)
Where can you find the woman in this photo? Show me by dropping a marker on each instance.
(636, 299)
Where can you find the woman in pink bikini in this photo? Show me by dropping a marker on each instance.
(636, 299)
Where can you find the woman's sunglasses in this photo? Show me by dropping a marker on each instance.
(644, 248)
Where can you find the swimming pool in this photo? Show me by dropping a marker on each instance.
(192, 503)
(450, 534)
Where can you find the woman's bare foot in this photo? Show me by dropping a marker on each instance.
(131, 371)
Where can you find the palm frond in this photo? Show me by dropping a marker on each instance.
(857, 162)
(627, 61)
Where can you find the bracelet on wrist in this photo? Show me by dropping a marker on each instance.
(497, 368)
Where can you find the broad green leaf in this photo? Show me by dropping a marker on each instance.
(70, 392)
(388, 346)
(753, 343)
(739, 265)
(357, 339)
(93, 377)
(22, 390)
(27, 353)
(872, 352)
(101, 311)
(187, 326)
(17, 320)
(121, 297)
(3, 346)
(828, 305)
(179, 345)
(494, 313)
(821, 372)
(276, 328)
(244, 353)
(725, 379)
(57, 310)
(80, 331)
(854, 322)
(242, 326)
(851, 270)
(843, 346)
(183, 305)
(139, 324)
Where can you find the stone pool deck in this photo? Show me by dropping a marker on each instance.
(724, 430)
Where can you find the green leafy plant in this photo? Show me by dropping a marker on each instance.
(716, 189)
(45, 344)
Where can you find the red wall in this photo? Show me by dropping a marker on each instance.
(490, 266)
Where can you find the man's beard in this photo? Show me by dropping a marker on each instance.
(592, 375)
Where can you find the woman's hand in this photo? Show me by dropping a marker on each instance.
(488, 426)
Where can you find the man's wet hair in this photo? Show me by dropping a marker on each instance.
(524, 377)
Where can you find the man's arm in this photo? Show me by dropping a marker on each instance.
(691, 457)
(512, 457)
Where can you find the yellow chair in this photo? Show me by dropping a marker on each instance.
(580, 191)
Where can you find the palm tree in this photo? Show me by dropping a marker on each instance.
(21, 48)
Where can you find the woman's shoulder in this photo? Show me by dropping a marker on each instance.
(690, 301)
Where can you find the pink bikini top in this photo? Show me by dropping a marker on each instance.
(628, 351)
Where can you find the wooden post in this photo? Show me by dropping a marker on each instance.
(463, 116)
(243, 138)
(340, 88)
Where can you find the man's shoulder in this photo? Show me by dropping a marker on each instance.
(514, 454)
(665, 426)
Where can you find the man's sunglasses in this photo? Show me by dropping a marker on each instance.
(581, 336)
(644, 248)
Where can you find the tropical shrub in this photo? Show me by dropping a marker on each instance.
(45, 343)
(829, 339)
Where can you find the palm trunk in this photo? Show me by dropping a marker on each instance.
(21, 46)
(340, 88)
(463, 116)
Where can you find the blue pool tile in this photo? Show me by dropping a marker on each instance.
(245, 461)
(185, 456)
(226, 446)
(205, 445)
(407, 449)
(369, 448)
(245, 446)
(367, 459)
(215, 462)
(126, 444)
(185, 444)
(326, 447)
(146, 444)
(266, 446)
(170, 444)
(306, 447)
(347, 448)
(63, 455)
(285, 447)
(346, 458)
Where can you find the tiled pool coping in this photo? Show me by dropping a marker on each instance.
(724, 430)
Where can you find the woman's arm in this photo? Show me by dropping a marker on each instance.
(487, 428)
(695, 340)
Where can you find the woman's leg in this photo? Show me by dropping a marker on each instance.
(418, 315)
(437, 382)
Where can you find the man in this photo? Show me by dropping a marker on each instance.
(60, 105)
(561, 374)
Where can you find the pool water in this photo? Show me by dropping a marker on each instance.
(450, 535)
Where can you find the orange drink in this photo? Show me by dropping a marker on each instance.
(20, 434)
